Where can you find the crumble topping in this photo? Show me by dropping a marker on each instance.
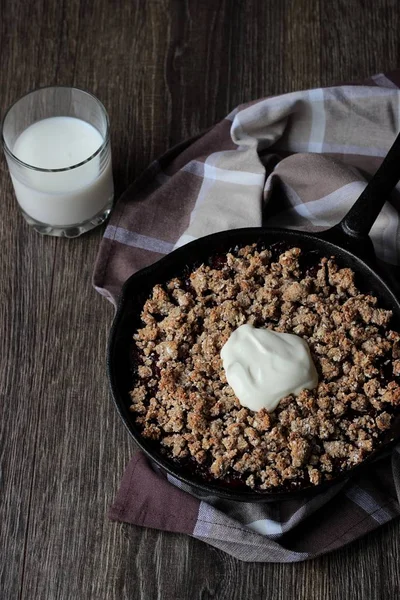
(182, 400)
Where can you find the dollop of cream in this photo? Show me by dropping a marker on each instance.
(263, 366)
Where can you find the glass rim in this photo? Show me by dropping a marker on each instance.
(9, 152)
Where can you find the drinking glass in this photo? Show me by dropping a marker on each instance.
(65, 187)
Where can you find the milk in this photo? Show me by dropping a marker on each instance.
(67, 197)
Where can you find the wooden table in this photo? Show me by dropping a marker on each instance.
(165, 69)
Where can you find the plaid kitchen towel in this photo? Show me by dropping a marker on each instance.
(320, 146)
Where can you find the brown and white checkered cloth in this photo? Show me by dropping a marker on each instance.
(320, 146)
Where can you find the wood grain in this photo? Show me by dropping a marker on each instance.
(165, 69)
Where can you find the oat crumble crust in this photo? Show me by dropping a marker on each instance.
(181, 398)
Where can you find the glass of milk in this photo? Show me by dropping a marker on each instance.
(57, 145)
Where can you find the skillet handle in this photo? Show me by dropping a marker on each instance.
(352, 231)
(363, 214)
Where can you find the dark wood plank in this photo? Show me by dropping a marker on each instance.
(25, 293)
(165, 69)
(357, 40)
(26, 267)
(302, 44)
(77, 466)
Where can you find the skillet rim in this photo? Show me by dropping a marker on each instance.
(173, 259)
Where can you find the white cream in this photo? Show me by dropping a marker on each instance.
(263, 366)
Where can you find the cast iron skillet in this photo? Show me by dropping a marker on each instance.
(348, 241)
